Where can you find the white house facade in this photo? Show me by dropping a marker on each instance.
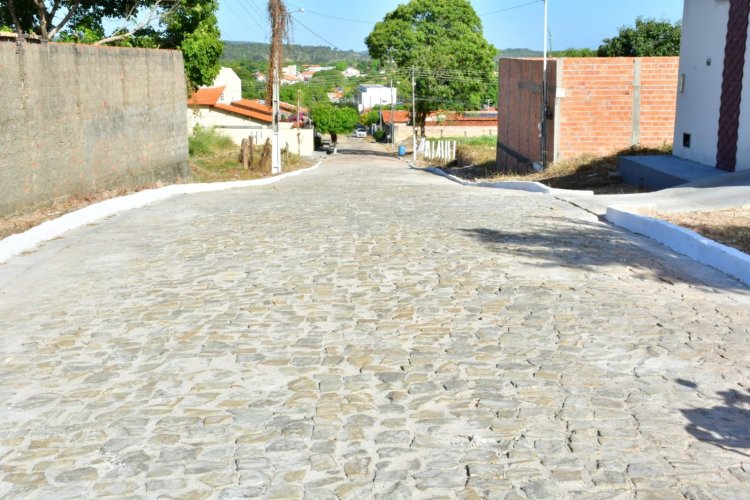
(371, 96)
(713, 100)
(232, 84)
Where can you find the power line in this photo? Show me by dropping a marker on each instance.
(338, 18)
(243, 4)
(311, 31)
(510, 8)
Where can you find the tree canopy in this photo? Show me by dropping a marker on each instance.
(187, 25)
(648, 38)
(334, 120)
(442, 41)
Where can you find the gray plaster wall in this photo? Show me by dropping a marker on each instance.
(76, 119)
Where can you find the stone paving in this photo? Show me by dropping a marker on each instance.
(369, 331)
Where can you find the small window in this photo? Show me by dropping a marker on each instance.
(686, 140)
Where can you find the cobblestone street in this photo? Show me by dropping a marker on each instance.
(369, 331)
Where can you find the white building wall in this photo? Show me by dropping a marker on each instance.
(743, 144)
(375, 96)
(238, 128)
(229, 79)
(698, 102)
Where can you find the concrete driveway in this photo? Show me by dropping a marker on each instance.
(366, 330)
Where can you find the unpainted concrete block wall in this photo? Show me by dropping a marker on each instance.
(76, 119)
(599, 106)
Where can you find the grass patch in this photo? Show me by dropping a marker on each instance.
(216, 158)
(482, 140)
(595, 173)
(729, 227)
(204, 141)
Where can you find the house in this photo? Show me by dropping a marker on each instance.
(351, 72)
(369, 96)
(291, 79)
(486, 119)
(713, 101)
(335, 97)
(399, 117)
(241, 118)
(232, 84)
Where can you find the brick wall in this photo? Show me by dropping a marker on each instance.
(612, 103)
(600, 106)
(76, 119)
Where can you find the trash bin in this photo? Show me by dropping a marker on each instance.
(402, 150)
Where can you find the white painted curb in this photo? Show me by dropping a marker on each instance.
(16, 244)
(684, 241)
(527, 186)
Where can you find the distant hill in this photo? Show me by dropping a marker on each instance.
(302, 54)
(521, 53)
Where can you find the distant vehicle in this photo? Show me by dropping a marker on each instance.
(360, 132)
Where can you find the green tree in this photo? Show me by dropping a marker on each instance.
(334, 120)
(443, 41)
(193, 28)
(647, 38)
(187, 25)
(369, 118)
(574, 53)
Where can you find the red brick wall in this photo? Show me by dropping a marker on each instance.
(659, 82)
(520, 110)
(594, 112)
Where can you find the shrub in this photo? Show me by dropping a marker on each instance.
(203, 141)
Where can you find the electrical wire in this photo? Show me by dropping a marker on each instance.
(243, 4)
(311, 31)
(510, 8)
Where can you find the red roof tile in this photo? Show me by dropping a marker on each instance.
(399, 116)
(263, 117)
(206, 97)
(253, 105)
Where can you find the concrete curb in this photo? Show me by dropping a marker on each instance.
(526, 186)
(728, 260)
(684, 241)
(16, 244)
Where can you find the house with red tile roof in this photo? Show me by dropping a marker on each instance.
(400, 117)
(241, 118)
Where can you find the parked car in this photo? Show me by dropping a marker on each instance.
(360, 132)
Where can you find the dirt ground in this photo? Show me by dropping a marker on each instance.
(730, 227)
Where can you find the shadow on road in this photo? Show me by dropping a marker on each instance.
(592, 246)
(726, 426)
(365, 152)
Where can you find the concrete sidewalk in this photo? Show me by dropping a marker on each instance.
(724, 191)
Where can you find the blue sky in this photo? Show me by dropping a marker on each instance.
(573, 23)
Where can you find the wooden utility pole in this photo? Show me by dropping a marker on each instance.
(280, 31)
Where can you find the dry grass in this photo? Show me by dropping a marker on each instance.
(598, 174)
(730, 226)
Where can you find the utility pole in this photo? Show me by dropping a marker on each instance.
(544, 94)
(393, 110)
(299, 132)
(276, 144)
(413, 116)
